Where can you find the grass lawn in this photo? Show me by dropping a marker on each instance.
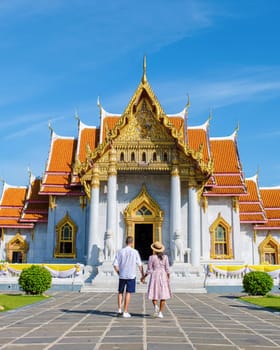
(269, 301)
(14, 301)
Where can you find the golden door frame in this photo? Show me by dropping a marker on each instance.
(17, 244)
(143, 209)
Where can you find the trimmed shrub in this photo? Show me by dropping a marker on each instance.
(35, 280)
(257, 283)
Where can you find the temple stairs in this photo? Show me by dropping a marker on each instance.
(184, 278)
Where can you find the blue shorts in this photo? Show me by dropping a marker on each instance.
(129, 284)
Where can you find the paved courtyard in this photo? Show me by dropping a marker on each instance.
(84, 321)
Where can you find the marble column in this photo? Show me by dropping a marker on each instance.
(93, 253)
(109, 244)
(175, 216)
(194, 227)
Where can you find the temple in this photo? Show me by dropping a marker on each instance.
(150, 175)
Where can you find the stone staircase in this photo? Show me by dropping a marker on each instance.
(184, 279)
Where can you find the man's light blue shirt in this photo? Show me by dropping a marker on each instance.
(126, 260)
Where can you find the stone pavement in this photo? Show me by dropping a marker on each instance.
(87, 321)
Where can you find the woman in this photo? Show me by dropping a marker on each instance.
(159, 286)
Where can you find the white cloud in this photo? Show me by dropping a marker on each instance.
(221, 89)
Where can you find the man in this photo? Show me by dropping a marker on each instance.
(125, 266)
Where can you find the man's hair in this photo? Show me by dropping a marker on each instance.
(129, 240)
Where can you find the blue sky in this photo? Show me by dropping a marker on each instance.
(58, 56)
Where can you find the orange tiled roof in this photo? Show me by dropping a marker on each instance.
(178, 122)
(250, 206)
(110, 122)
(197, 137)
(61, 155)
(270, 197)
(225, 156)
(231, 180)
(271, 202)
(11, 205)
(52, 189)
(226, 191)
(228, 176)
(13, 196)
(251, 218)
(87, 136)
(36, 206)
(57, 175)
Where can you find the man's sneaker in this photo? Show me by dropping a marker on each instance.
(160, 315)
(156, 310)
(119, 313)
(126, 315)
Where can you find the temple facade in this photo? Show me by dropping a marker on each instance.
(147, 174)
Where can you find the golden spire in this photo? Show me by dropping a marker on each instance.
(144, 77)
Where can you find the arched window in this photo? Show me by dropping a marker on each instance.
(122, 157)
(65, 238)
(143, 157)
(220, 241)
(165, 158)
(133, 157)
(221, 244)
(269, 251)
(154, 156)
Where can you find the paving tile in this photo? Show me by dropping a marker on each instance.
(123, 339)
(71, 347)
(25, 347)
(168, 346)
(84, 321)
(121, 346)
(29, 340)
(79, 340)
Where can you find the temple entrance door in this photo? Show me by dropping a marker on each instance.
(17, 258)
(143, 239)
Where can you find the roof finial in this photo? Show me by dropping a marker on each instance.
(29, 172)
(77, 115)
(258, 172)
(99, 105)
(188, 103)
(144, 77)
(236, 130)
(237, 127)
(50, 126)
(210, 116)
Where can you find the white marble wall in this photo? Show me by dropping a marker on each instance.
(41, 248)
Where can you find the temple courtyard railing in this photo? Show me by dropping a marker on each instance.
(64, 276)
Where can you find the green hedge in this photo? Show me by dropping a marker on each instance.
(257, 283)
(35, 280)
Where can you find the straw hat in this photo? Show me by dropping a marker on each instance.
(157, 247)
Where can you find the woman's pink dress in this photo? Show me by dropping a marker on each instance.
(159, 286)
